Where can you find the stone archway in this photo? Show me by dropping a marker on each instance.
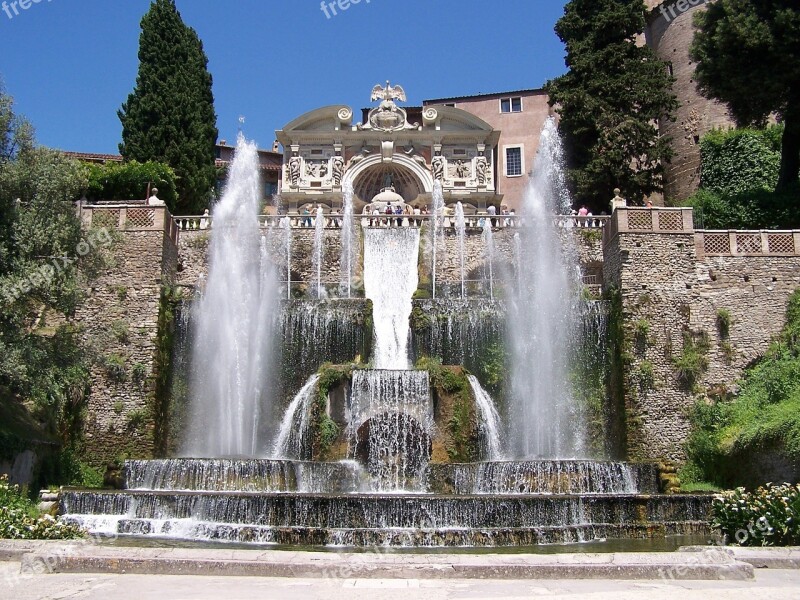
(410, 179)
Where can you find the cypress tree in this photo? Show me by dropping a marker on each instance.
(169, 117)
(609, 102)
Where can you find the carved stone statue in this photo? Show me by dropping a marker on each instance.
(437, 168)
(338, 170)
(480, 169)
(462, 170)
(294, 170)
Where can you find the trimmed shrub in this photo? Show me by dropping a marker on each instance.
(769, 516)
(129, 181)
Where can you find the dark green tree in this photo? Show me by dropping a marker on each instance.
(748, 55)
(170, 116)
(609, 101)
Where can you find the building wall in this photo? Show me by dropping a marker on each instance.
(516, 129)
(671, 38)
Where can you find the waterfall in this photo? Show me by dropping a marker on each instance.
(291, 440)
(489, 420)
(488, 254)
(461, 229)
(544, 419)
(390, 279)
(319, 250)
(391, 418)
(438, 216)
(231, 358)
(347, 257)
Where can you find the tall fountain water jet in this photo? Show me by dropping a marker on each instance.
(319, 250)
(488, 255)
(438, 221)
(390, 279)
(544, 419)
(286, 224)
(347, 257)
(461, 229)
(235, 323)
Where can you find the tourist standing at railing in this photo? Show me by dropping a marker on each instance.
(492, 211)
(417, 213)
(204, 220)
(306, 220)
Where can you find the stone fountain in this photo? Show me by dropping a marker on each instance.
(368, 450)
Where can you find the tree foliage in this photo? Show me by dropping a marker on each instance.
(40, 275)
(748, 55)
(740, 160)
(169, 117)
(609, 100)
(130, 180)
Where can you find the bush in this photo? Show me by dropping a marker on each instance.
(759, 209)
(770, 516)
(692, 361)
(129, 181)
(20, 520)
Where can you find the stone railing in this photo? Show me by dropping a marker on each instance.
(334, 221)
(649, 220)
(133, 217)
(747, 243)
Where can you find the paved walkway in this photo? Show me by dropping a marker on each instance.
(59, 570)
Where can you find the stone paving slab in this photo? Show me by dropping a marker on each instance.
(708, 564)
(760, 557)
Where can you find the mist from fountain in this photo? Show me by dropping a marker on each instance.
(319, 251)
(488, 255)
(544, 419)
(235, 320)
(461, 230)
(347, 258)
(436, 230)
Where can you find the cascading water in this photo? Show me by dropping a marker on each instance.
(489, 420)
(488, 255)
(544, 421)
(391, 416)
(291, 440)
(347, 259)
(319, 251)
(390, 279)
(461, 229)
(234, 324)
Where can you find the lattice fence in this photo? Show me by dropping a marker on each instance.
(140, 218)
(748, 243)
(105, 218)
(640, 220)
(780, 243)
(670, 220)
(716, 243)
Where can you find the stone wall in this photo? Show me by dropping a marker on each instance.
(670, 290)
(120, 320)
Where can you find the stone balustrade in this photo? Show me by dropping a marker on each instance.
(747, 243)
(131, 217)
(334, 221)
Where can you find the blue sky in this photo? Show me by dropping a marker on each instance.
(71, 63)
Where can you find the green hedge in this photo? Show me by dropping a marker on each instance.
(129, 181)
(740, 160)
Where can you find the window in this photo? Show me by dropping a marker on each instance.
(511, 105)
(514, 161)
